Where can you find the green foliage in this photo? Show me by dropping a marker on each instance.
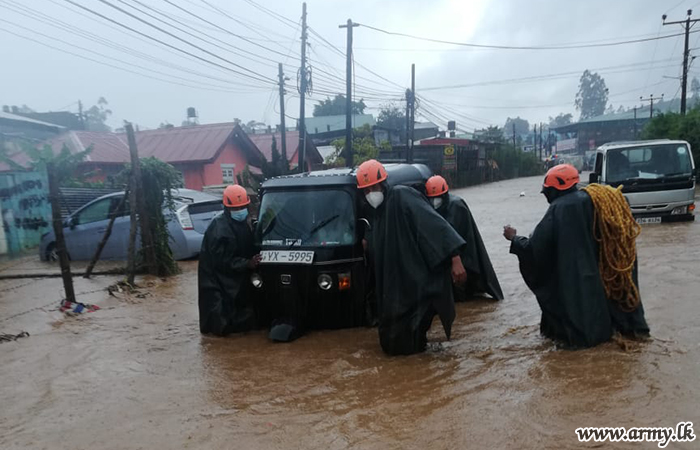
(493, 134)
(513, 163)
(392, 117)
(336, 106)
(675, 126)
(561, 120)
(159, 179)
(64, 162)
(96, 116)
(522, 126)
(592, 96)
(363, 148)
(247, 180)
(279, 164)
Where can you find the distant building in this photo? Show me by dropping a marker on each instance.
(588, 134)
(325, 129)
(263, 141)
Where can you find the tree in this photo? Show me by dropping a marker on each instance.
(392, 117)
(493, 134)
(363, 147)
(592, 96)
(336, 106)
(695, 89)
(165, 126)
(561, 120)
(676, 126)
(278, 164)
(97, 115)
(522, 126)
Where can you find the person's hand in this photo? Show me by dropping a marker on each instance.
(509, 232)
(459, 275)
(254, 261)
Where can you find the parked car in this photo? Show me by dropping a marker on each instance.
(83, 230)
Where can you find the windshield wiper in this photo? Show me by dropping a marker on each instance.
(676, 174)
(322, 224)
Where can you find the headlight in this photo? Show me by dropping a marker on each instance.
(679, 210)
(325, 281)
(256, 280)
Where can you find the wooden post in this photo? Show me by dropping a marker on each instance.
(106, 236)
(138, 218)
(58, 231)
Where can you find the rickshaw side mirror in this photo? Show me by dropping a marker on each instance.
(365, 222)
(593, 178)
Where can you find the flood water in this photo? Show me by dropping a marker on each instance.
(138, 375)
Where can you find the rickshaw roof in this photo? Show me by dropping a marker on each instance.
(406, 174)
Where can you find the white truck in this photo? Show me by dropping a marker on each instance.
(657, 177)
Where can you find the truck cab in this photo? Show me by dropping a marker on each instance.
(657, 177)
(309, 231)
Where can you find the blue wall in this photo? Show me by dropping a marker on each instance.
(26, 212)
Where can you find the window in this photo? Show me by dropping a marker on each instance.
(95, 212)
(228, 173)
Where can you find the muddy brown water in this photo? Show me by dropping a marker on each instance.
(138, 375)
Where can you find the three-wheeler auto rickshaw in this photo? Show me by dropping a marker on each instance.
(314, 273)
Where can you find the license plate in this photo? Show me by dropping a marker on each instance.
(646, 220)
(287, 257)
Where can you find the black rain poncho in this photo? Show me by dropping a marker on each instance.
(411, 246)
(480, 274)
(559, 262)
(223, 277)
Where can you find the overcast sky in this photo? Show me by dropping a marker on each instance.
(233, 71)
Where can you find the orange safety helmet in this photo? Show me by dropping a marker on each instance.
(436, 186)
(370, 173)
(561, 177)
(235, 196)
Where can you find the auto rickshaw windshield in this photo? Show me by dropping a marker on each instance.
(308, 218)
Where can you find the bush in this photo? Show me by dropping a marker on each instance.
(513, 163)
(676, 126)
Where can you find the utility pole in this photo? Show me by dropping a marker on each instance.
(635, 123)
(651, 105)
(283, 127)
(687, 24)
(302, 94)
(348, 93)
(513, 135)
(408, 123)
(80, 115)
(540, 141)
(534, 140)
(412, 122)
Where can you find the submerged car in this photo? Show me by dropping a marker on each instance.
(309, 231)
(84, 229)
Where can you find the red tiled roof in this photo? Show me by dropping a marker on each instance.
(264, 143)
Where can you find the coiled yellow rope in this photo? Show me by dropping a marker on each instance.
(615, 230)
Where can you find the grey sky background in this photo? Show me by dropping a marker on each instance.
(50, 79)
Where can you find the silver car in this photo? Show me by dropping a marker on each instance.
(83, 230)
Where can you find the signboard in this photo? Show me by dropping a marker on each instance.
(566, 145)
(449, 158)
(591, 144)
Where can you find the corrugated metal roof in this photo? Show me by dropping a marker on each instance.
(264, 143)
(21, 119)
(184, 144)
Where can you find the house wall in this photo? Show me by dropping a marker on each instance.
(26, 211)
(230, 154)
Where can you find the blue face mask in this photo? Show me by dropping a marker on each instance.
(239, 216)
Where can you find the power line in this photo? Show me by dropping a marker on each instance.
(271, 13)
(633, 66)
(36, 15)
(106, 63)
(256, 76)
(513, 47)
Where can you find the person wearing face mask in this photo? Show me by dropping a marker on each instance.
(225, 261)
(560, 264)
(480, 274)
(415, 255)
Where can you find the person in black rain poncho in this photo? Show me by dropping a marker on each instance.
(560, 264)
(225, 261)
(480, 274)
(415, 254)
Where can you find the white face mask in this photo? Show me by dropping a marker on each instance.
(437, 202)
(375, 198)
